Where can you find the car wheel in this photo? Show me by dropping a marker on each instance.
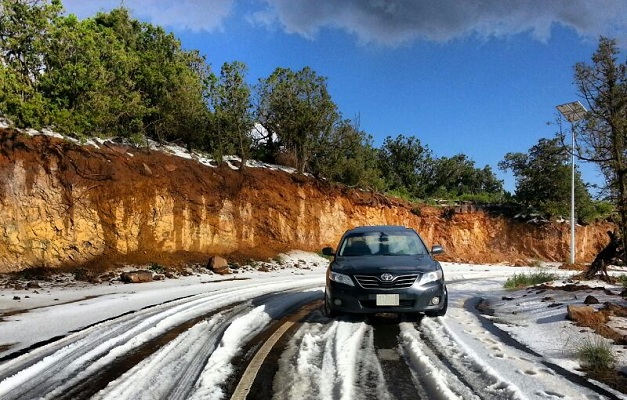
(441, 312)
(329, 312)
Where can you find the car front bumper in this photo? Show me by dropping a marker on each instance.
(355, 299)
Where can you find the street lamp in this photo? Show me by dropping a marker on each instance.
(572, 112)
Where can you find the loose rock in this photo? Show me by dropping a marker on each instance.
(137, 276)
(591, 300)
(219, 265)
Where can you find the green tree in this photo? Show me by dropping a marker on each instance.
(24, 36)
(456, 176)
(346, 155)
(233, 111)
(171, 82)
(107, 75)
(543, 179)
(406, 166)
(296, 108)
(88, 80)
(602, 135)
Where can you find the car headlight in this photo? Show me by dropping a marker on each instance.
(431, 277)
(341, 278)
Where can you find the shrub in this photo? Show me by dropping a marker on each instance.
(157, 269)
(523, 280)
(595, 354)
(84, 274)
(33, 273)
(622, 279)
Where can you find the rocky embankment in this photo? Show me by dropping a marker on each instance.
(65, 204)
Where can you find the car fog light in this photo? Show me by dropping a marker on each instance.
(337, 302)
(435, 301)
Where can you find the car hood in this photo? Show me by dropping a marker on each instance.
(381, 264)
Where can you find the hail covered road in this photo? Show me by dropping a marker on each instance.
(266, 337)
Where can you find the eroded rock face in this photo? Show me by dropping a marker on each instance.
(65, 204)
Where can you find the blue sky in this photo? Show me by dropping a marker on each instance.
(479, 77)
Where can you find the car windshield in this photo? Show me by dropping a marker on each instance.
(382, 243)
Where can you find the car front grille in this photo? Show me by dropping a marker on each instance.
(375, 282)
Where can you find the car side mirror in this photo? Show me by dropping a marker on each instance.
(328, 251)
(437, 249)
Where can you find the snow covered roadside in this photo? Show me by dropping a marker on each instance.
(460, 336)
(528, 318)
(29, 316)
(536, 317)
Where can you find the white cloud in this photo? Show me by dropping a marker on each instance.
(206, 15)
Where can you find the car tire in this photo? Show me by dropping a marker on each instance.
(328, 311)
(441, 312)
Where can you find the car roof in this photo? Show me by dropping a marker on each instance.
(378, 228)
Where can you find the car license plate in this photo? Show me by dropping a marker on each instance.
(387, 299)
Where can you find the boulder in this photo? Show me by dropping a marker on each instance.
(586, 316)
(136, 276)
(579, 313)
(591, 300)
(218, 265)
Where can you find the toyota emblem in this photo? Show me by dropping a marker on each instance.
(387, 277)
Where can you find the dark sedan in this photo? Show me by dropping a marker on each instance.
(384, 269)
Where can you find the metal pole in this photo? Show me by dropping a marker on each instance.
(572, 199)
(573, 111)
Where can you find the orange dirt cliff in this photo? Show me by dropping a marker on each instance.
(64, 204)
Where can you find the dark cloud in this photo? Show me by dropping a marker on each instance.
(390, 22)
(387, 22)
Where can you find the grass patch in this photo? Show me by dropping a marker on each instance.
(535, 264)
(622, 279)
(529, 279)
(596, 355)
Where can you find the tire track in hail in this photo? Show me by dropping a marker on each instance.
(91, 385)
(261, 367)
(56, 367)
(461, 374)
(177, 370)
(398, 377)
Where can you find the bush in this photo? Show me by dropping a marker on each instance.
(595, 354)
(157, 269)
(622, 279)
(33, 273)
(523, 280)
(84, 274)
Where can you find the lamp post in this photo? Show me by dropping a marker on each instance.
(572, 112)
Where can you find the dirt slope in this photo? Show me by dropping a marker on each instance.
(63, 204)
